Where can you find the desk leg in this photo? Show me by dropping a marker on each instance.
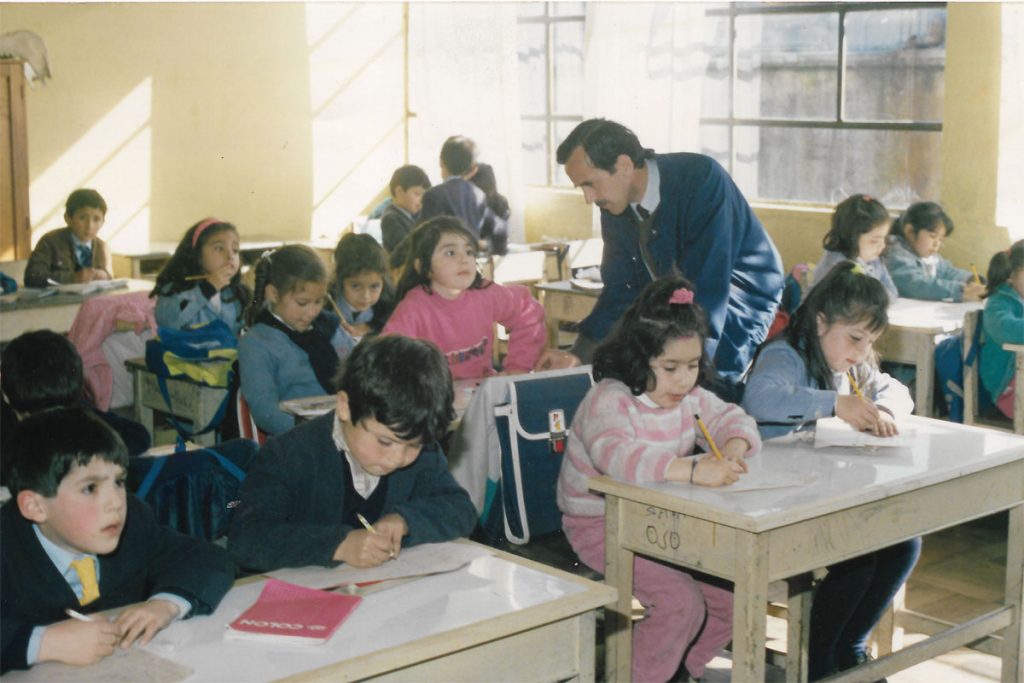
(618, 572)
(750, 608)
(1013, 636)
(925, 376)
(798, 626)
(143, 415)
(1018, 401)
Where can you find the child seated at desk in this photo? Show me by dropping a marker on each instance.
(362, 289)
(1003, 323)
(912, 257)
(408, 185)
(443, 298)
(374, 458)
(41, 370)
(824, 367)
(74, 540)
(202, 281)
(292, 346)
(640, 423)
(859, 227)
(74, 253)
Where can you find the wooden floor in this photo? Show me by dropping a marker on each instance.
(960, 575)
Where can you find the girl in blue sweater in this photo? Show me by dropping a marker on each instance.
(202, 282)
(291, 346)
(804, 377)
(1003, 323)
(362, 287)
(913, 259)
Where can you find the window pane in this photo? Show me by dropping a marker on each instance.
(567, 9)
(827, 165)
(714, 142)
(532, 54)
(568, 40)
(530, 9)
(787, 66)
(894, 65)
(715, 99)
(562, 130)
(535, 153)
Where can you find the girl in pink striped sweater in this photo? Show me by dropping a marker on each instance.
(639, 424)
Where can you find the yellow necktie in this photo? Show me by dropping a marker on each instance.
(86, 570)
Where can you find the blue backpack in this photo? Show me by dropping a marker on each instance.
(949, 372)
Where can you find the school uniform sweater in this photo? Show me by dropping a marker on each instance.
(782, 397)
(630, 439)
(196, 306)
(463, 328)
(293, 501)
(1003, 323)
(352, 317)
(54, 259)
(273, 369)
(913, 278)
(395, 224)
(149, 559)
(875, 268)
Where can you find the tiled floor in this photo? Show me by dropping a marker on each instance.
(959, 576)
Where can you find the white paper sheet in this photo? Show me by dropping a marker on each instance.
(768, 479)
(421, 560)
(834, 432)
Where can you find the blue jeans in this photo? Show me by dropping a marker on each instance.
(851, 600)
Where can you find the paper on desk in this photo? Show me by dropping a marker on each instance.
(124, 666)
(310, 406)
(84, 288)
(421, 560)
(769, 479)
(834, 432)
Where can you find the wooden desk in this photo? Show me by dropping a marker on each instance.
(501, 618)
(915, 327)
(190, 401)
(1018, 400)
(55, 312)
(860, 501)
(564, 303)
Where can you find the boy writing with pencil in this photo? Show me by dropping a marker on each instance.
(75, 542)
(358, 484)
(74, 253)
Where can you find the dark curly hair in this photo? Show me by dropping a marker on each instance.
(642, 333)
(854, 216)
(1003, 265)
(423, 241)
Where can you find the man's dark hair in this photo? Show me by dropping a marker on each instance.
(84, 197)
(49, 444)
(409, 176)
(39, 370)
(458, 154)
(604, 141)
(401, 382)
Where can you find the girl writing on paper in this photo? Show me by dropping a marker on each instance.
(641, 423)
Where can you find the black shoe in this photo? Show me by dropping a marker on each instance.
(856, 659)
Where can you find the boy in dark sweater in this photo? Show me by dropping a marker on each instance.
(376, 456)
(73, 539)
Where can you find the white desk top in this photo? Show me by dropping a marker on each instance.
(489, 587)
(845, 477)
(933, 316)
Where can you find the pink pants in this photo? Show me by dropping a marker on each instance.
(675, 606)
(1005, 402)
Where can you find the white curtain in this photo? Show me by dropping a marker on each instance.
(1009, 198)
(644, 67)
(464, 80)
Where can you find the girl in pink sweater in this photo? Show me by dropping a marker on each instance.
(639, 424)
(445, 300)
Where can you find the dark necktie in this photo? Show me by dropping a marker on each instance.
(644, 223)
(84, 256)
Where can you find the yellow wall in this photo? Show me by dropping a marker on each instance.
(242, 111)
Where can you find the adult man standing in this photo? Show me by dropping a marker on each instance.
(665, 213)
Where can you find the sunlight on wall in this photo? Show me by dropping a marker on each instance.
(1010, 200)
(115, 155)
(355, 67)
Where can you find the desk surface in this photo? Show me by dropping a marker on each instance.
(418, 621)
(845, 477)
(935, 317)
(564, 287)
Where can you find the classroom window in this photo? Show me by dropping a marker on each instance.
(813, 102)
(550, 54)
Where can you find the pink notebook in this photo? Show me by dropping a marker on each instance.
(288, 613)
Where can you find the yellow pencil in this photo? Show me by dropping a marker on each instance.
(362, 520)
(974, 270)
(707, 436)
(189, 278)
(853, 383)
(335, 306)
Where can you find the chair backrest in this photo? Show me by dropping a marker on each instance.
(247, 428)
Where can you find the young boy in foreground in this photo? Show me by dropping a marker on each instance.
(375, 456)
(73, 539)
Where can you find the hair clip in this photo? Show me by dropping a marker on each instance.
(201, 227)
(867, 198)
(681, 296)
(267, 254)
(858, 269)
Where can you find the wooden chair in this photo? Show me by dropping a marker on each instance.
(971, 380)
(247, 428)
